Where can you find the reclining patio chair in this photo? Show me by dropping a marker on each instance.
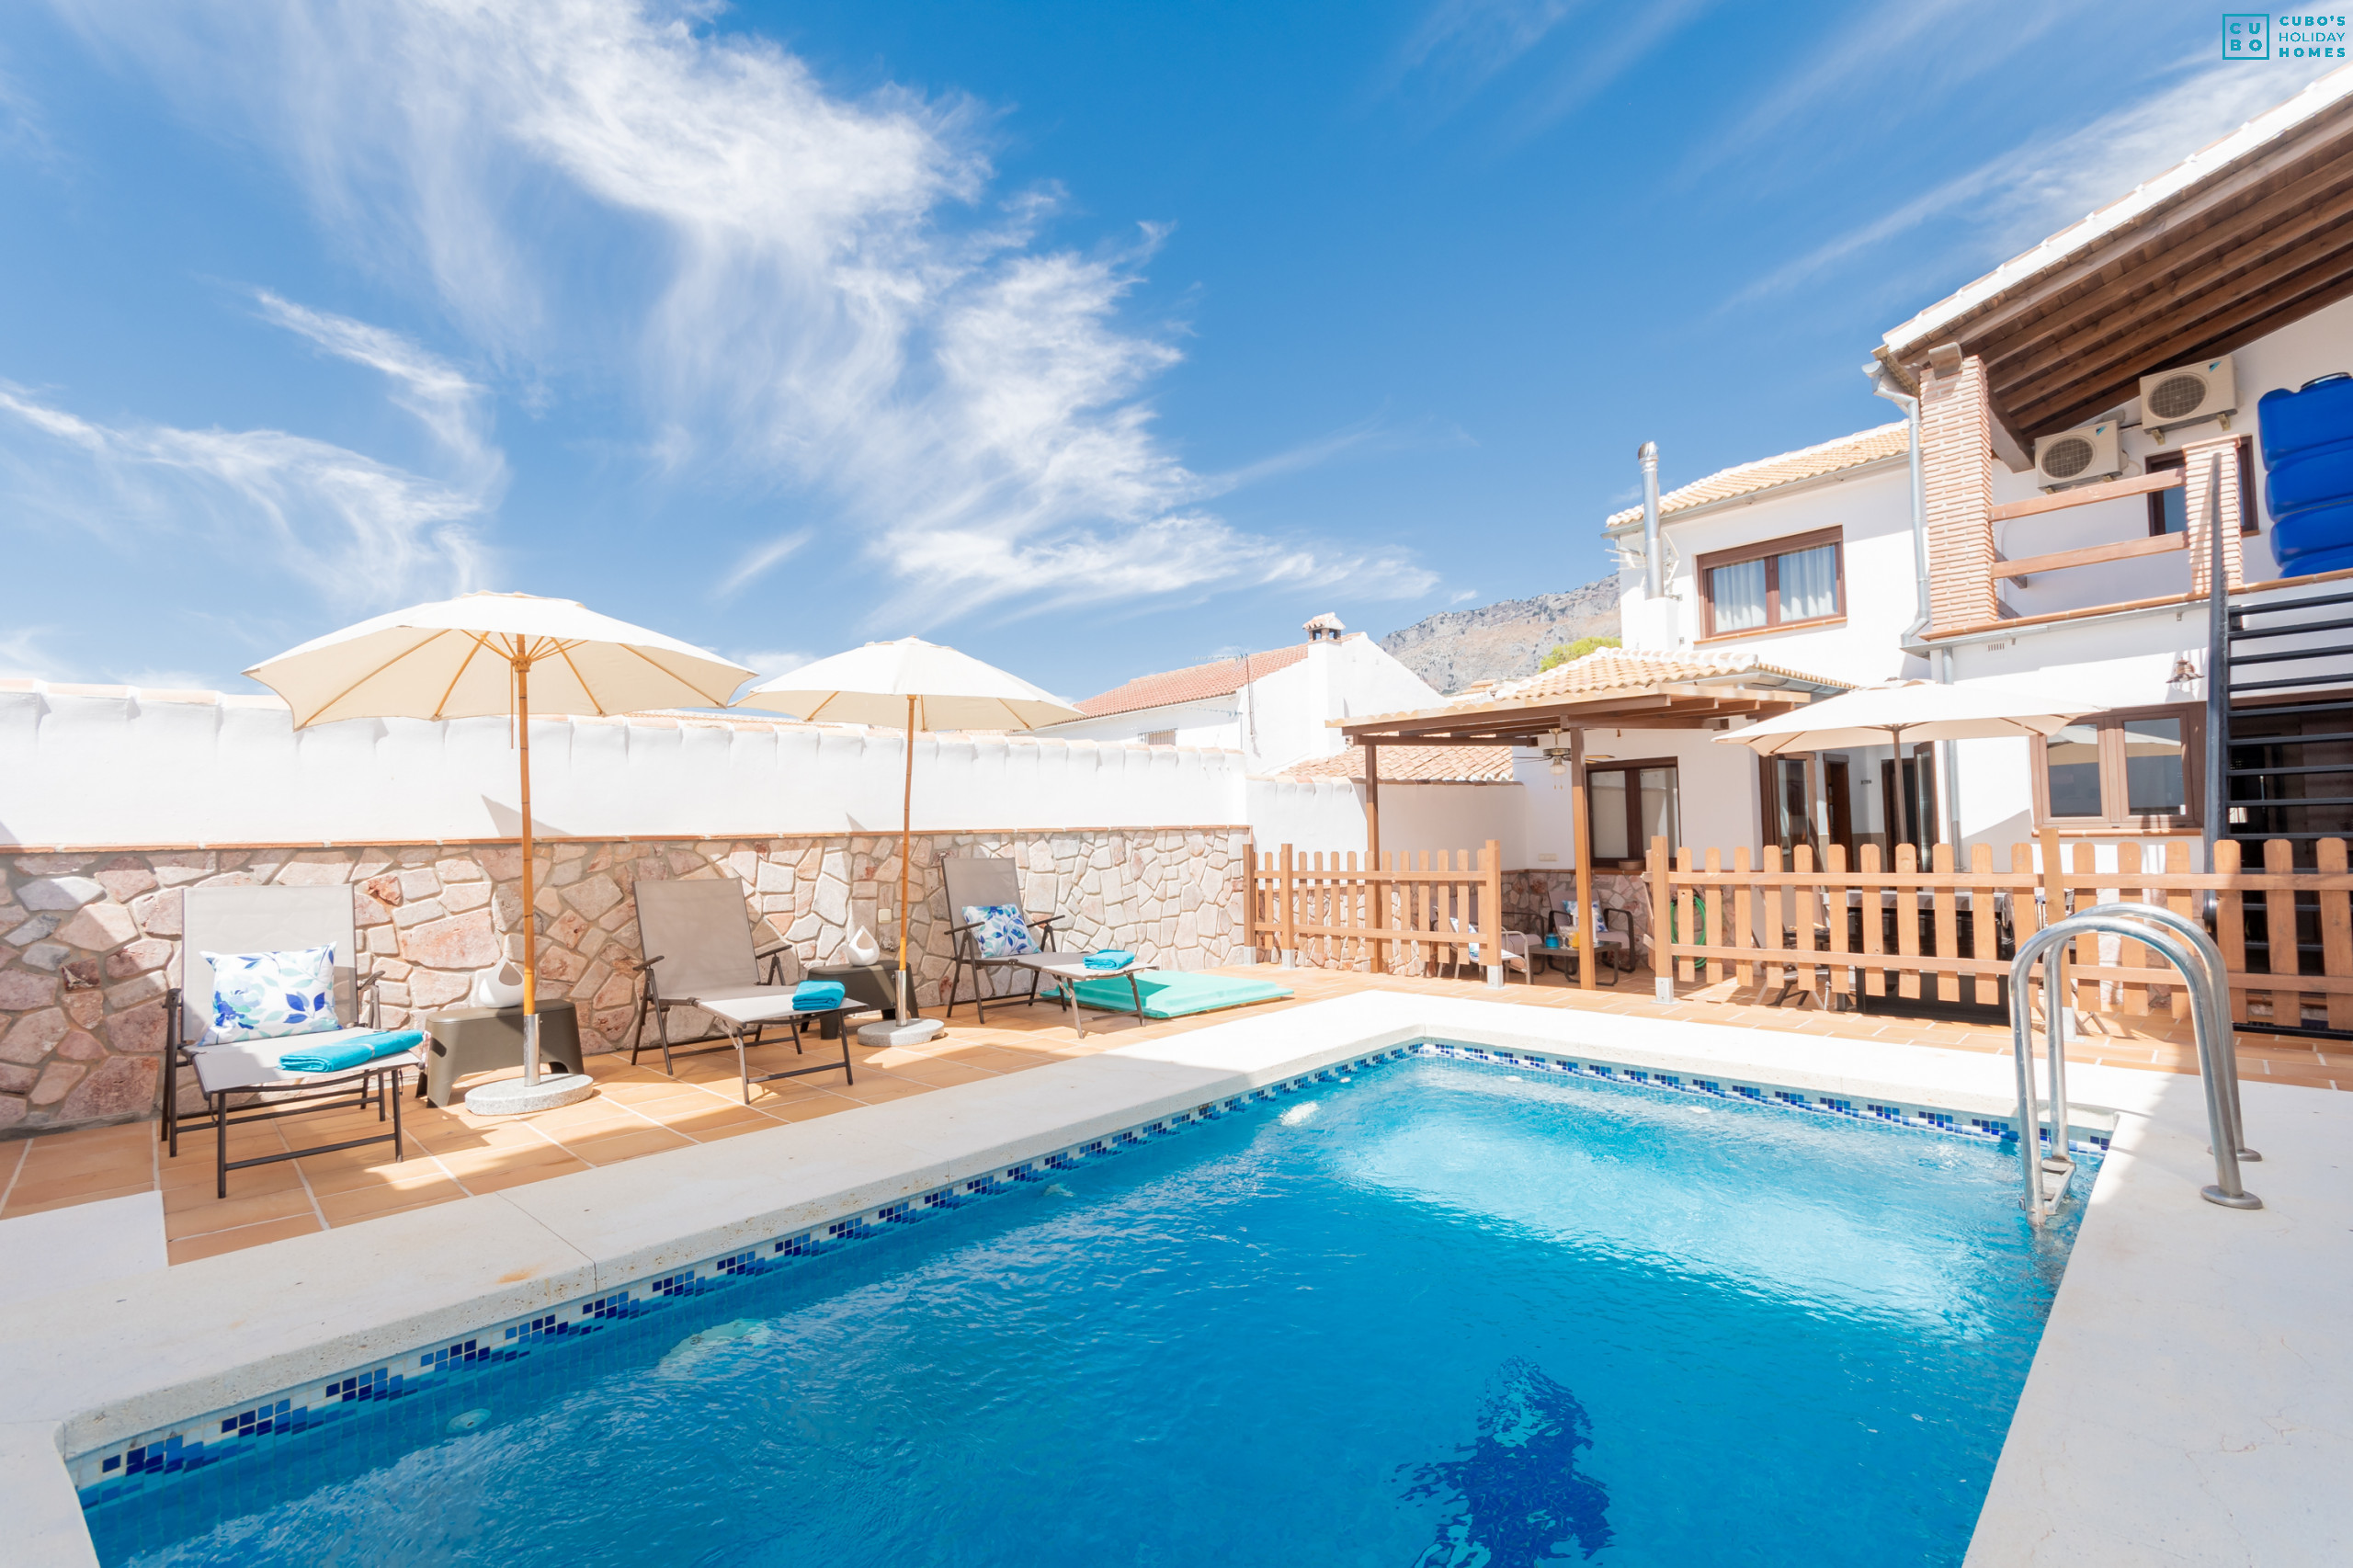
(1517, 946)
(983, 882)
(1613, 943)
(272, 920)
(697, 938)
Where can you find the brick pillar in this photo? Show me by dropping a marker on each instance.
(2200, 458)
(1957, 465)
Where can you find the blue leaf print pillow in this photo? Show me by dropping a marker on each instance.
(1003, 932)
(270, 996)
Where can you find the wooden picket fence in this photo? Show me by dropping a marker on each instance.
(1769, 920)
(1407, 915)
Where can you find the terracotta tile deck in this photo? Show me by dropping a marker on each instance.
(638, 1110)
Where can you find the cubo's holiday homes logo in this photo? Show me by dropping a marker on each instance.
(2247, 36)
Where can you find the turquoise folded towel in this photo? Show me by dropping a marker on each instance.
(816, 995)
(351, 1052)
(1111, 958)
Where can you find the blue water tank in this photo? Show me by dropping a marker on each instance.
(2308, 482)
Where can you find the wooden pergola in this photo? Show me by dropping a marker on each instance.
(1614, 688)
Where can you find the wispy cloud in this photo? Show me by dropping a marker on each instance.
(1840, 76)
(756, 562)
(2041, 185)
(1563, 54)
(452, 407)
(772, 662)
(804, 291)
(358, 531)
(24, 653)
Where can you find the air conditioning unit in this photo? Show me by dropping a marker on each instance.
(2078, 457)
(2188, 394)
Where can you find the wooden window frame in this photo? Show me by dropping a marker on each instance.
(1770, 551)
(1637, 843)
(2250, 522)
(1820, 813)
(2111, 725)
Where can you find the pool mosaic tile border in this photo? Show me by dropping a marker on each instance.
(124, 1469)
(1918, 1118)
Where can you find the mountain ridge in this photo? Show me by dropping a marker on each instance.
(1503, 640)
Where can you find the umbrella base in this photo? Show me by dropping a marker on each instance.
(889, 1033)
(512, 1096)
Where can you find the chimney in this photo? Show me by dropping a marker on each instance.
(1324, 628)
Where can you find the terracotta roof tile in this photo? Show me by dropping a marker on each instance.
(1414, 765)
(1609, 670)
(1219, 680)
(1607, 673)
(1770, 473)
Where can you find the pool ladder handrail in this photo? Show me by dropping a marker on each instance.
(2184, 944)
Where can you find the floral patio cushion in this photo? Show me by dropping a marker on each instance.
(270, 996)
(1001, 932)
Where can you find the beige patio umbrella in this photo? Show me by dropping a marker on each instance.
(1896, 711)
(479, 656)
(919, 685)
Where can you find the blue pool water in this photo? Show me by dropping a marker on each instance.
(1443, 1313)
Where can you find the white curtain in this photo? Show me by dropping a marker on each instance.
(1738, 593)
(1810, 584)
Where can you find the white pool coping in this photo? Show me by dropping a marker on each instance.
(2188, 1403)
(84, 1244)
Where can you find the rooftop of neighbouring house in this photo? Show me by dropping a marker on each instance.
(1414, 765)
(1220, 677)
(1879, 444)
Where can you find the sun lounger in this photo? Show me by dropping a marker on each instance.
(245, 1081)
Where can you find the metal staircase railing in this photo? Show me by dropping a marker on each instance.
(2185, 945)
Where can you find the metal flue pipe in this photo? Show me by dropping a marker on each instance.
(1653, 579)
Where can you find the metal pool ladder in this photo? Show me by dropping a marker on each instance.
(2184, 944)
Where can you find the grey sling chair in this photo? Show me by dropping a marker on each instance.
(271, 920)
(696, 936)
(977, 882)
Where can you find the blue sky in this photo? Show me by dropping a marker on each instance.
(1091, 339)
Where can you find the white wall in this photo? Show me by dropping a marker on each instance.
(100, 766)
(1327, 814)
(1872, 510)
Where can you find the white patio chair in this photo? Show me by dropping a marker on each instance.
(272, 920)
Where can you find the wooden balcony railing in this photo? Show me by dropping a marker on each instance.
(2094, 554)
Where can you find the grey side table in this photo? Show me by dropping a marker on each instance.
(875, 984)
(479, 1040)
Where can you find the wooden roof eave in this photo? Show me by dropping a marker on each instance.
(2219, 265)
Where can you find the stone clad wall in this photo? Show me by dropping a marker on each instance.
(90, 941)
(1530, 898)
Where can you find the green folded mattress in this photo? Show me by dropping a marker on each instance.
(1173, 994)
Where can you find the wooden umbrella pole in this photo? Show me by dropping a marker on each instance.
(530, 925)
(1581, 846)
(906, 838)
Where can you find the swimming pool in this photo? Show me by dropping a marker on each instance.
(1437, 1312)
